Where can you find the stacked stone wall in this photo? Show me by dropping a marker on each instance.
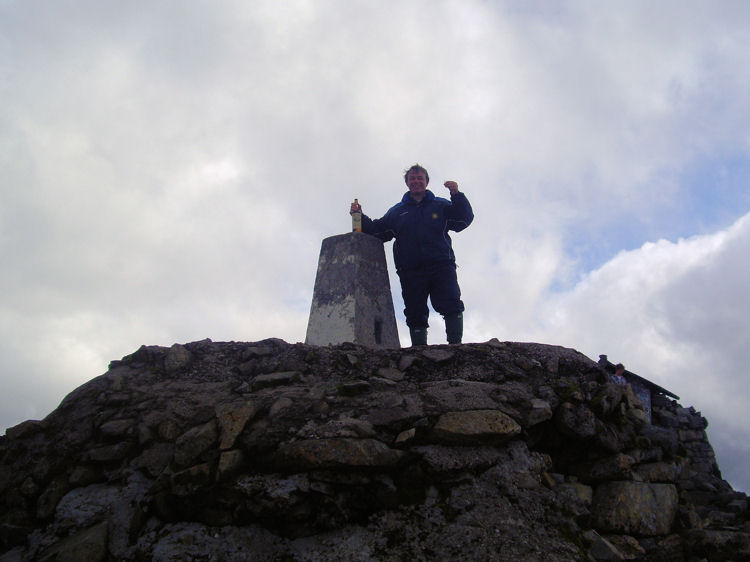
(268, 451)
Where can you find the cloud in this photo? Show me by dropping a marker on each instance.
(168, 175)
(674, 313)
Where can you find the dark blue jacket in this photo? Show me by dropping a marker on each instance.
(421, 229)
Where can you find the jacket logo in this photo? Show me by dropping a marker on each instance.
(434, 215)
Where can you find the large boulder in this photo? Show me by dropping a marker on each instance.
(635, 508)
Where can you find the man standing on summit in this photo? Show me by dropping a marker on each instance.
(423, 253)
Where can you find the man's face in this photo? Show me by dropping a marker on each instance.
(417, 183)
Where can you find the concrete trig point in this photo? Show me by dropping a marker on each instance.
(352, 299)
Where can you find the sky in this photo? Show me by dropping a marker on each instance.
(168, 171)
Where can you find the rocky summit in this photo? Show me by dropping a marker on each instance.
(291, 452)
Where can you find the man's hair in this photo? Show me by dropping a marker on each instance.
(416, 168)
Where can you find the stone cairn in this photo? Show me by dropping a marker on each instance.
(277, 451)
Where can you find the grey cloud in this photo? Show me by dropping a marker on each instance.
(169, 173)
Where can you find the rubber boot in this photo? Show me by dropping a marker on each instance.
(418, 336)
(454, 327)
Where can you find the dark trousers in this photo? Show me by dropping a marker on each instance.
(439, 282)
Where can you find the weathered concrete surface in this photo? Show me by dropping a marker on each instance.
(352, 299)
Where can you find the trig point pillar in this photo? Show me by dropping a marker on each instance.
(352, 299)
